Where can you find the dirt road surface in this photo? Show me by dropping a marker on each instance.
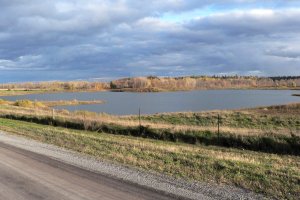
(25, 175)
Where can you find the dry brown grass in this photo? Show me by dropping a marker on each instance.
(44, 104)
(70, 102)
(89, 117)
(109, 119)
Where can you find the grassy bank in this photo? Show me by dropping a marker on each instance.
(18, 92)
(272, 129)
(264, 118)
(274, 175)
(47, 104)
(280, 144)
(70, 102)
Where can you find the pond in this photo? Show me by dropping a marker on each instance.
(127, 103)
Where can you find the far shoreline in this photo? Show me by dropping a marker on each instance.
(17, 92)
(151, 84)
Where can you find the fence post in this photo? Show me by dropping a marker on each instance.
(52, 113)
(218, 127)
(140, 126)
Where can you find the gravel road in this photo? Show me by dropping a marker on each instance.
(31, 170)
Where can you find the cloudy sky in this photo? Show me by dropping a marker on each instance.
(106, 39)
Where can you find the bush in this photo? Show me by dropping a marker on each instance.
(29, 104)
(24, 103)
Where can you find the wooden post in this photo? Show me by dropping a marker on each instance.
(219, 127)
(53, 113)
(140, 126)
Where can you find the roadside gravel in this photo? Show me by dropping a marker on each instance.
(179, 188)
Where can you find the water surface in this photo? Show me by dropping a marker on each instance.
(126, 103)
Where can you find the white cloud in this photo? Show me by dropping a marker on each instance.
(125, 37)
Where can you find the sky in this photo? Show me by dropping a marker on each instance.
(108, 39)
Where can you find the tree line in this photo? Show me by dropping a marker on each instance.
(205, 82)
(164, 83)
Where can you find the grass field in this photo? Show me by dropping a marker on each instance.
(274, 175)
(272, 129)
(272, 117)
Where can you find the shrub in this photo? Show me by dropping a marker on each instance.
(28, 104)
(24, 103)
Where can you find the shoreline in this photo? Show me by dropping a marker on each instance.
(30, 92)
(48, 104)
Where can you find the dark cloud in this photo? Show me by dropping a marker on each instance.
(74, 39)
